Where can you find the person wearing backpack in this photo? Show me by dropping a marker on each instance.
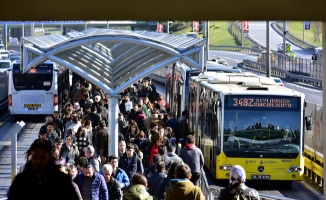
(237, 189)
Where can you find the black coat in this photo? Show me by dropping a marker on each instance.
(114, 189)
(134, 166)
(56, 185)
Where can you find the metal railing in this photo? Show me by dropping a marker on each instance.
(290, 70)
(250, 50)
(279, 29)
(204, 186)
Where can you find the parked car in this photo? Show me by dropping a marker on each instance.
(278, 81)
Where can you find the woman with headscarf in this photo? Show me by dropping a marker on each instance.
(237, 186)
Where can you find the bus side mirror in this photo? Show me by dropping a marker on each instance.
(308, 122)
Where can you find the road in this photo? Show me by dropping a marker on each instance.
(257, 29)
(313, 94)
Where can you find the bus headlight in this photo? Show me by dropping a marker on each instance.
(294, 169)
(225, 167)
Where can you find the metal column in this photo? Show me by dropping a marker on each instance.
(14, 132)
(323, 130)
(113, 124)
(284, 37)
(268, 55)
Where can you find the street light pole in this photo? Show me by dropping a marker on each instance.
(284, 32)
(323, 130)
(268, 56)
(303, 30)
(242, 34)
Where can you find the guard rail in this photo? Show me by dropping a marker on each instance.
(283, 73)
(250, 50)
(303, 70)
(279, 29)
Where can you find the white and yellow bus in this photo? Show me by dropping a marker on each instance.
(38, 91)
(248, 120)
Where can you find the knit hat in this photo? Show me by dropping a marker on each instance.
(237, 175)
(77, 106)
(153, 124)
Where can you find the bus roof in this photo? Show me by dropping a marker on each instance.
(245, 84)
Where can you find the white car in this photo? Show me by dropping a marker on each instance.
(280, 46)
(278, 81)
(4, 55)
(4, 66)
(220, 61)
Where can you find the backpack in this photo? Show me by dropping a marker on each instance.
(239, 195)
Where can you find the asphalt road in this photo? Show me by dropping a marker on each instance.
(257, 29)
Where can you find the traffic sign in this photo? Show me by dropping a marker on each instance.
(287, 47)
(307, 25)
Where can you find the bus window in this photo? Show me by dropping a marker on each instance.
(39, 78)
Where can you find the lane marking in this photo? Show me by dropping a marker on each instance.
(1, 123)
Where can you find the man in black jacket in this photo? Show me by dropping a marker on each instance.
(130, 162)
(41, 179)
(238, 186)
(112, 184)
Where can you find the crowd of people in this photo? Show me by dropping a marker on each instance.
(157, 159)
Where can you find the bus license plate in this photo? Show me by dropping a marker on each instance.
(260, 177)
(32, 105)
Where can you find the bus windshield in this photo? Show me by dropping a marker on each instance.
(267, 133)
(39, 78)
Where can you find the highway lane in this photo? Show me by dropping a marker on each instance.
(257, 29)
(313, 94)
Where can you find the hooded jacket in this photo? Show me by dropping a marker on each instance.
(136, 192)
(55, 185)
(183, 189)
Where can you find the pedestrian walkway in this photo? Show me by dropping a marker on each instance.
(25, 138)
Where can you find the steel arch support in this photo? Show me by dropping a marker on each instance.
(144, 73)
(82, 73)
(201, 58)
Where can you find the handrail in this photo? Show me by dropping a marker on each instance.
(203, 184)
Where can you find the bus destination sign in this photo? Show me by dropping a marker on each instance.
(241, 101)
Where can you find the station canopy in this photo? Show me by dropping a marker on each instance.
(113, 59)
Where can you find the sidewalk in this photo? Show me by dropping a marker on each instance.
(25, 138)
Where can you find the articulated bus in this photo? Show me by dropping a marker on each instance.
(245, 119)
(176, 79)
(38, 91)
